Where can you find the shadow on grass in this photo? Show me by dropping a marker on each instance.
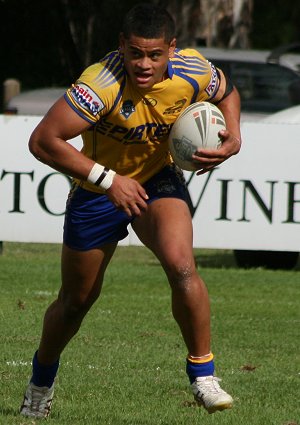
(247, 259)
(215, 259)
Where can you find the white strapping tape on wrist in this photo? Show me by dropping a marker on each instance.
(108, 179)
(95, 173)
(101, 176)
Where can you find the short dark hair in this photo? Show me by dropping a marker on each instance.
(149, 21)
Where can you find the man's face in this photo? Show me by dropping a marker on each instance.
(146, 60)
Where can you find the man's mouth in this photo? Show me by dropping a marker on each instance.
(142, 78)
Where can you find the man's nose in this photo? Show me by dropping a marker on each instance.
(144, 63)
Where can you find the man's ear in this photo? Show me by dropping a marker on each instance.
(121, 42)
(172, 47)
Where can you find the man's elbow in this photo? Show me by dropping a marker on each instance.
(35, 148)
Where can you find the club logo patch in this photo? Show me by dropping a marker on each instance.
(127, 109)
(87, 99)
(166, 186)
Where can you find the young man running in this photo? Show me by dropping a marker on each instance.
(124, 107)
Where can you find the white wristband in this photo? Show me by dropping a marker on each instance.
(101, 176)
(95, 173)
(108, 179)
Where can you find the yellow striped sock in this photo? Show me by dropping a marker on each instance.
(200, 360)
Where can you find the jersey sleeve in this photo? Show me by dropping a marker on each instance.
(95, 91)
(213, 85)
(210, 82)
(84, 98)
(191, 66)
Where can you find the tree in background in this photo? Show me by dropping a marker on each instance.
(218, 23)
(89, 30)
(275, 23)
(49, 42)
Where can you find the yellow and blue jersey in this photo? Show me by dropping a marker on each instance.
(130, 126)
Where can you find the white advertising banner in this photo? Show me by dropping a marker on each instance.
(252, 201)
(32, 195)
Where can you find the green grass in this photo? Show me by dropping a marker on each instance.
(127, 364)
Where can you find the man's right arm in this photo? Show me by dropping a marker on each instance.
(48, 143)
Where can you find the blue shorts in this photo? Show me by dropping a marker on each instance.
(92, 220)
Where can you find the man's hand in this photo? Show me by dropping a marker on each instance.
(127, 195)
(209, 159)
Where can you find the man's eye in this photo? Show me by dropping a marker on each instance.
(135, 54)
(155, 55)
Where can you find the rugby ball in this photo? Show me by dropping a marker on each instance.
(196, 127)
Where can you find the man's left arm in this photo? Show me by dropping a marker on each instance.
(230, 106)
(227, 100)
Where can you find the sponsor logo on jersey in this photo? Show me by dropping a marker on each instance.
(127, 108)
(149, 101)
(176, 108)
(87, 99)
(141, 134)
(210, 89)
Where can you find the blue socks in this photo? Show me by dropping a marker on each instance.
(196, 367)
(43, 376)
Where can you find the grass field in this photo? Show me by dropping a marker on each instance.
(127, 364)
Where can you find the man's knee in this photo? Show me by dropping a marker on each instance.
(75, 308)
(181, 272)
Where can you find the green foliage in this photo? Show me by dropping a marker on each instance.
(275, 23)
(49, 43)
(126, 365)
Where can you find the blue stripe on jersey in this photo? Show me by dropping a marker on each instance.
(178, 53)
(187, 66)
(170, 69)
(201, 66)
(180, 59)
(110, 79)
(190, 68)
(78, 112)
(110, 68)
(179, 72)
(112, 71)
(194, 85)
(122, 86)
(190, 71)
(192, 59)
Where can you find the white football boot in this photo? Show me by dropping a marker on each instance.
(37, 401)
(209, 394)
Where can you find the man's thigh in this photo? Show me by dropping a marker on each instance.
(166, 226)
(83, 272)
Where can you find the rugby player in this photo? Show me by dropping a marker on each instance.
(123, 107)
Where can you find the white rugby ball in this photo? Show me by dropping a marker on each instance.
(196, 127)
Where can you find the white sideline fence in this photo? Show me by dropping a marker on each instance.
(252, 201)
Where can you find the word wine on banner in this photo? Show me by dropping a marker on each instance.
(251, 201)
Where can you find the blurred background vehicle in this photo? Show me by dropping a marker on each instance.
(268, 81)
(33, 102)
